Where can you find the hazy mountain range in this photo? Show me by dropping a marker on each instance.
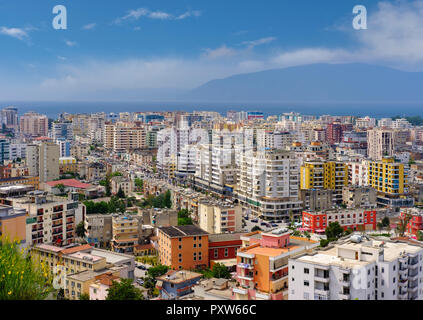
(315, 83)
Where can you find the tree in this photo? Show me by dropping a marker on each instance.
(420, 235)
(84, 296)
(80, 229)
(324, 243)
(124, 290)
(334, 231)
(386, 222)
(120, 194)
(307, 235)
(168, 199)
(403, 222)
(61, 187)
(221, 271)
(184, 218)
(21, 277)
(157, 271)
(380, 226)
(139, 183)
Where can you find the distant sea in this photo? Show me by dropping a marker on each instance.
(378, 110)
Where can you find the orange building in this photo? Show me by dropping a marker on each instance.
(13, 223)
(183, 247)
(262, 264)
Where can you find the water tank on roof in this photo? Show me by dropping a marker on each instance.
(356, 238)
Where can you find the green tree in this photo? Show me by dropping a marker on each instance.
(21, 277)
(221, 271)
(120, 194)
(84, 296)
(420, 235)
(168, 199)
(334, 231)
(124, 290)
(386, 222)
(139, 183)
(324, 243)
(184, 218)
(402, 225)
(80, 229)
(61, 187)
(157, 271)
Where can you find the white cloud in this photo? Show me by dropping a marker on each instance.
(136, 14)
(70, 43)
(61, 58)
(89, 26)
(17, 33)
(220, 52)
(255, 43)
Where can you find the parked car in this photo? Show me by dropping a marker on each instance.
(140, 282)
(263, 224)
(274, 225)
(141, 267)
(255, 220)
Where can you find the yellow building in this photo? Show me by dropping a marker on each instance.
(388, 176)
(67, 164)
(125, 234)
(331, 175)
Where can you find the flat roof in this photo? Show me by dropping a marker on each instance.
(111, 257)
(183, 231)
(179, 276)
(271, 252)
(82, 255)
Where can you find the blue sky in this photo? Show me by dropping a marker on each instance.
(149, 46)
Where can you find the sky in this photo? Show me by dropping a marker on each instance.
(113, 48)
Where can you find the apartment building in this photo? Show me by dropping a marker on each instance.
(223, 249)
(358, 269)
(30, 181)
(124, 136)
(359, 219)
(50, 219)
(268, 184)
(382, 142)
(317, 199)
(67, 164)
(34, 124)
(120, 182)
(331, 175)
(98, 229)
(183, 247)
(217, 217)
(262, 265)
(359, 197)
(125, 234)
(13, 223)
(415, 224)
(358, 173)
(62, 130)
(390, 179)
(43, 161)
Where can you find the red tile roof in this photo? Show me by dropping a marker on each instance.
(70, 183)
(76, 249)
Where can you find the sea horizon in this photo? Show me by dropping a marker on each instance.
(360, 109)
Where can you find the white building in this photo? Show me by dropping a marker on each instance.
(269, 184)
(358, 173)
(358, 269)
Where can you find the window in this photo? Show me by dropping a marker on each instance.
(306, 283)
(293, 267)
(180, 247)
(306, 270)
(216, 253)
(95, 290)
(306, 296)
(383, 270)
(293, 279)
(195, 245)
(78, 285)
(226, 252)
(394, 280)
(394, 268)
(199, 238)
(195, 238)
(383, 295)
(180, 239)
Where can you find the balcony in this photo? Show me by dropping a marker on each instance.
(413, 276)
(345, 271)
(322, 292)
(57, 217)
(403, 283)
(403, 271)
(321, 279)
(262, 296)
(278, 285)
(344, 282)
(245, 277)
(245, 266)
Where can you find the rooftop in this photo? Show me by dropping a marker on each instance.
(183, 231)
(70, 183)
(179, 276)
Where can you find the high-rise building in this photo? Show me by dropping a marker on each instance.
(331, 175)
(382, 142)
(34, 124)
(43, 161)
(123, 136)
(9, 118)
(4, 150)
(358, 269)
(268, 184)
(62, 130)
